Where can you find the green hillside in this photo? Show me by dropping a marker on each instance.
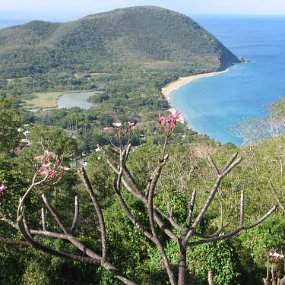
(127, 55)
(149, 37)
(243, 197)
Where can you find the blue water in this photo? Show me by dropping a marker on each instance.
(11, 22)
(212, 105)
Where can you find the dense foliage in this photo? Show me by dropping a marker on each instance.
(126, 55)
(123, 55)
(121, 50)
(109, 42)
(241, 260)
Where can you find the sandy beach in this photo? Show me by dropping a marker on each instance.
(180, 82)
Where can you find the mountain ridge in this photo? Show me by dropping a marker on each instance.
(146, 35)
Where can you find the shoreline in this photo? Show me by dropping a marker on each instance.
(166, 90)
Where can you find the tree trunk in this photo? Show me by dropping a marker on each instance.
(182, 265)
(210, 278)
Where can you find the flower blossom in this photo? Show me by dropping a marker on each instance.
(106, 130)
(26, 133)
(130, 125)
(168, 124)
(161, 120)
(275, 256)
(2, 189)
(49, 154)
(25, 141)
(51, 168)
(175, 115)
(64, 168)
(117, 125)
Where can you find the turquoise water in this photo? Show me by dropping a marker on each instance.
(212, 105)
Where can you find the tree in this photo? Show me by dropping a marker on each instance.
(9, 123)
(157, 226)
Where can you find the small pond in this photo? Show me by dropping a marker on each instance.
(69, 100)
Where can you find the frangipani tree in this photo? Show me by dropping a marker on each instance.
(160, 225)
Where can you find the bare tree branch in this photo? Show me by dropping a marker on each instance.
(43, 219)
(230, 162)
(10, 222)
(155, 176)
(135, 192)
(52, 211)
(276, 197)
(130, 215)
(98, 210)
(169, 219)
(191, 208)
(214, 165)
(150, 209)
(27, 235)
(241, 208)
(14, 242)
(94, 256)
(235, 231)
(75, 215)
(229, 166)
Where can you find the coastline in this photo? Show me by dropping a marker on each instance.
(166, 90)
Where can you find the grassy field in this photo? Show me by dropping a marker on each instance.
(43, 100)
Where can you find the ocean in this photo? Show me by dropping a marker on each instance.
(11, 22)
(212, 105)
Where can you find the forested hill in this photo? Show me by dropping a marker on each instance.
(150, 37)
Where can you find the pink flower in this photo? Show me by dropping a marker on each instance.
(3, 187)
(161, 120)
(131, 125)
(51, 168)
(49, 154)
(47, 165)
(168, 124)
(25, 141)
(175, 115)
(45, 172)
(171, 123)
(274, 254)
(106, 130)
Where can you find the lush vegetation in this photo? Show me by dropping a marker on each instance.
(127, 55)
(151, 37)
(123, 55)
(240, 260)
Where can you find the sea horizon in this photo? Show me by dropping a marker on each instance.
(213, 105)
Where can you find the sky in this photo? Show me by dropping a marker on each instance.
(65, 10)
